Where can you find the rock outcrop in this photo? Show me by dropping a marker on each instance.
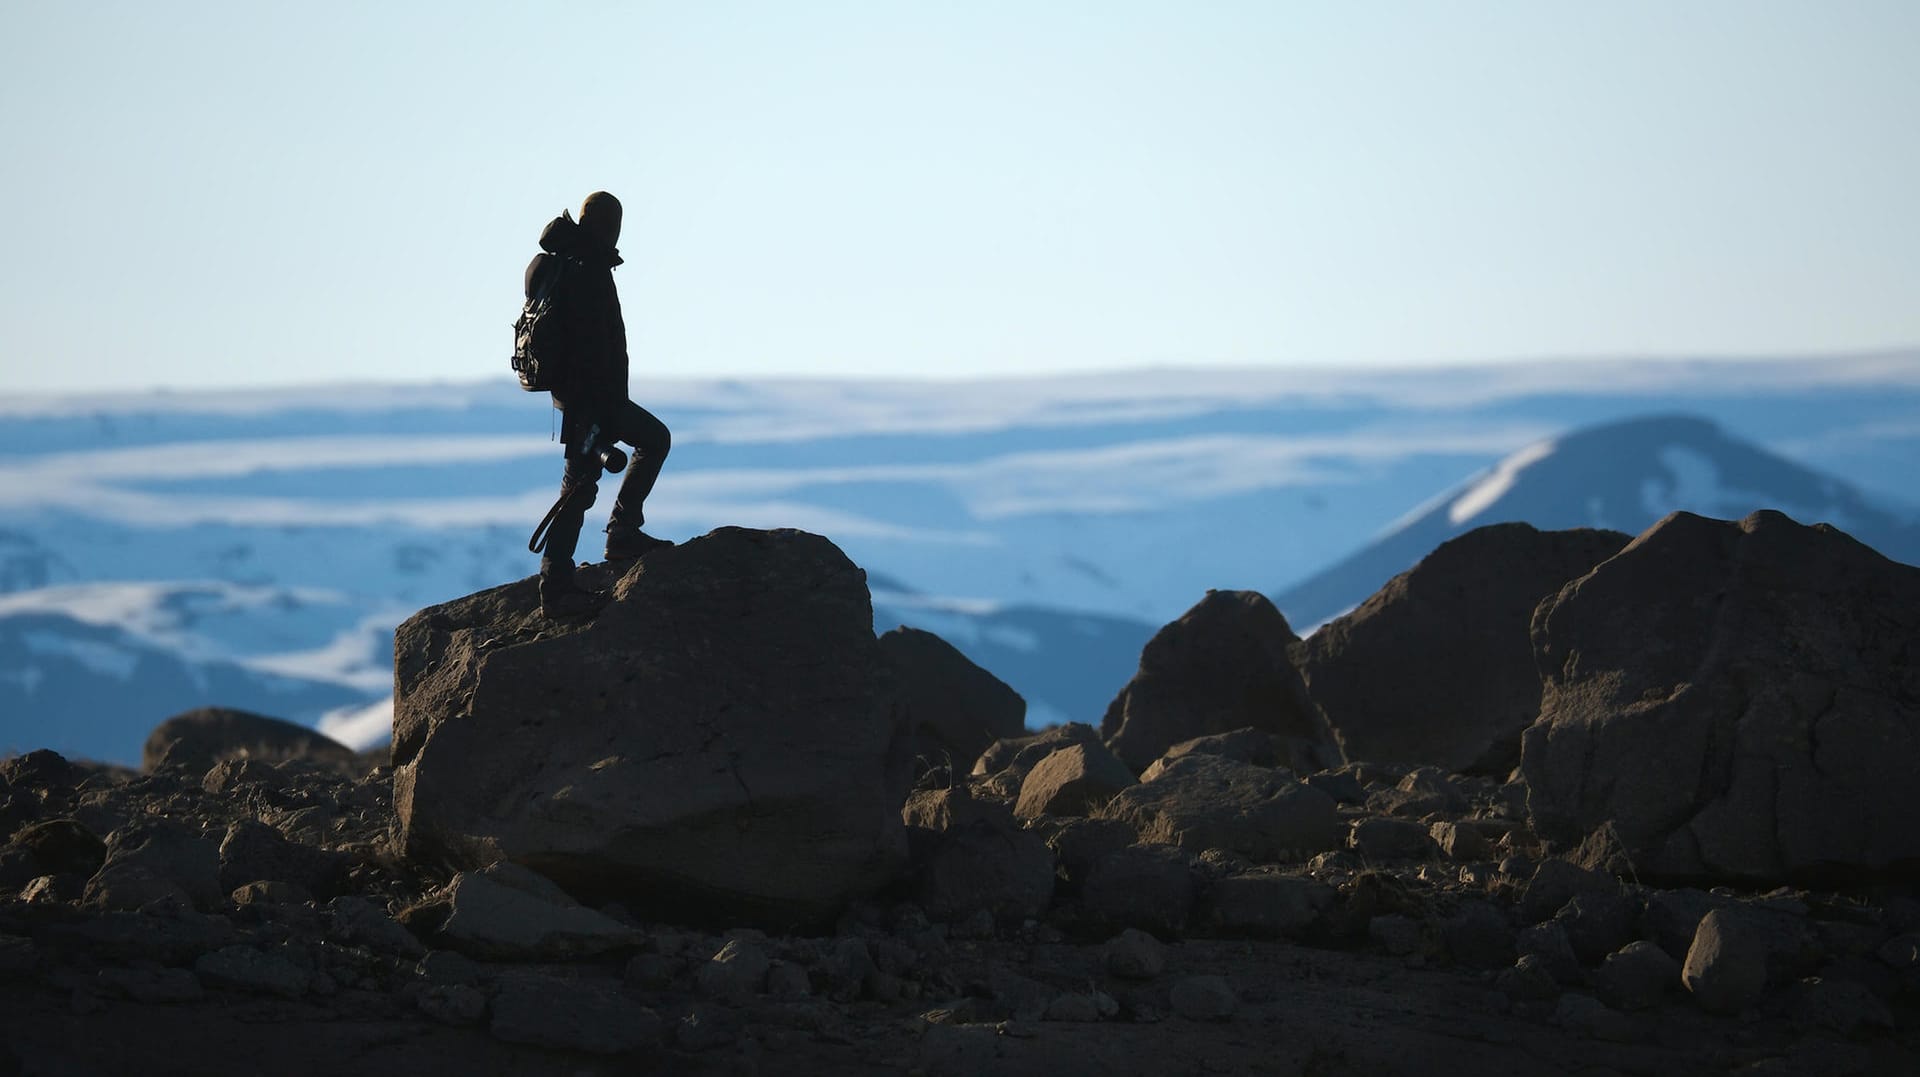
(1222, 666)
(954, 708)
(199, 738)
(1437, 667)
(1739, 700)
(719, 740)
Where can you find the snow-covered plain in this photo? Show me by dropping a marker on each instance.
(287, 532)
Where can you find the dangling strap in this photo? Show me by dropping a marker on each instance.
(538, 542)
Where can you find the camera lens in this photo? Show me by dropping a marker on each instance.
(613, 459)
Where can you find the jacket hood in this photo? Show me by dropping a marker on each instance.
(564, 236)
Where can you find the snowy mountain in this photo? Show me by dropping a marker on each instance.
(1623, 476)
(1046, 526)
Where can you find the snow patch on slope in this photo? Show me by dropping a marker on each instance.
(1486, 491)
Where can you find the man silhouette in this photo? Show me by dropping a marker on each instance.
(592, 396)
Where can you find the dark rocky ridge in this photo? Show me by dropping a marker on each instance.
(1221, 912)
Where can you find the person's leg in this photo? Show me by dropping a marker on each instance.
(578, 489)
(651, 442)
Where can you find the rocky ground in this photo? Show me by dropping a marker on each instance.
(254, 919)
(1665, 825)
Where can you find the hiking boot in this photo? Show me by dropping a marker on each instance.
(566, 602)
(627, 544)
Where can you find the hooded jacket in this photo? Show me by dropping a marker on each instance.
(589, 309)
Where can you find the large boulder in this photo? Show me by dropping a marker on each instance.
(1437, 667)
(199, 738)
(719, 741)
(954, 708)
(1740, 700)
(1222, 666)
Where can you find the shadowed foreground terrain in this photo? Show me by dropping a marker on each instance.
(721, 828)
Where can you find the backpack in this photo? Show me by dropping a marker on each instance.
(539, 335)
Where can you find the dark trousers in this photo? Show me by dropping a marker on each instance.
(580, 485)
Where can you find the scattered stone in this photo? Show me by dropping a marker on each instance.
(736, 973)
(1736, 954)
(1201, 802)
(1073, 1007)
(1842, 1007)
(986, 868)
(1018, 997)
(786, 980)
(1266, 904)
(460, 1005)
(1204, 998)
(1075, 780)
(252, 850)
(1374, 838)
(1547, 943)
(1672, 918)
(951, 808)
(1636, 977)
(151, 858)
(1479, 935)
(1342, 786)
(1460, 841)
(41, 770)
(61, 846)
(587, 1015)
(1135, 955)
(1397, 934)
(1145, 886)
(1554, 883)
(1224, 665)
(357, 920)
(153, 986)
(507, 912)
(244, 968)
(1528, 980)
(269, 892)
(1246, 745)
(1588, 1018)
(1598, 922)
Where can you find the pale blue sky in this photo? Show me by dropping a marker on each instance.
(239, 194)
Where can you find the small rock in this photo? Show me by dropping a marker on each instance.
(452, 1004)
(1340, 785)
(786, 980)
(1843, 1007)
(1204, 998)
(16, 956)
(1528, 980)
(1017, 996)
(1073, 1007)
(1376, 838)
(356, 919)
(1636, 977)
(1074, 780)
(737, 972)
(1672, 917)
(1479, 935)
(1598, 922)
(510, 913)
(270, 892)
(1588, 1018)
(1901, 951)
(155, 986)
(61, 846)
(1135, 955)
(1460, 841)
(1145, 886)
(1266, 904)
(243, 968)
(572, 1015)
(1555, 882)
(1730, 964)
(707, 1027)
(1396, 934)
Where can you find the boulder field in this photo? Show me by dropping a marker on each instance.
(722, 828)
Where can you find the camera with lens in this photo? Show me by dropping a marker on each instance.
(602, 448)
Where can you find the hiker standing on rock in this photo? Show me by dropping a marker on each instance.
(582, 361)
